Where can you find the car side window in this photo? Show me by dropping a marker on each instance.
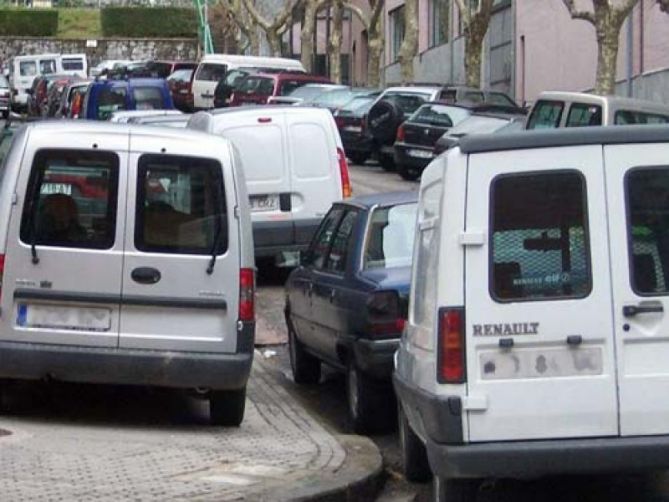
(320, 245)
(546, 115)
(647, 208)
(71, 199)
(540, 243)
(341, 243)
(583, 115)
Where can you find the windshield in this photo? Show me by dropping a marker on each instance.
(211, 72)
(408, 102)
(478, 125)
(307, 92)
(357, 106)
(440, 115)
(390, 237)
(234, 77)
(334, 98)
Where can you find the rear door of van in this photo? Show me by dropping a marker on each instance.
(181, 214)
(206, 78)
(539, 336)
(64, 251)
(637, 180)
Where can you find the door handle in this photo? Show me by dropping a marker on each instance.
(632, 310)
(145, 275)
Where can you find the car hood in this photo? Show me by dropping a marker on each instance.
(398, 278)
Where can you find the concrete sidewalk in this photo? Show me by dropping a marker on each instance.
(279, 453)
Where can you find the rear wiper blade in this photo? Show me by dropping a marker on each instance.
(215, 246)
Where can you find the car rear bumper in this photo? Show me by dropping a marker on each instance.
(404, 158)
(375, 357)
(273, 237)
(29, 361)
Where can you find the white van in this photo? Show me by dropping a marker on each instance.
(295, 169)
(127, 258)
(24, 69)
(536, 341)
(73, 64)
(214, 67)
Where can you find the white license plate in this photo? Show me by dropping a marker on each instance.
(264, 203)
(538, 363)
(51, 188)
(60, 317)
(353, 128)
(421, 154)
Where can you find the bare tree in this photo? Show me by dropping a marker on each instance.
(275, 28)
(375, 38)
(475, 22)
(664, 5)
(247, 31)
(607, 20)
(409, 47)
(334, 44)
(309, 10)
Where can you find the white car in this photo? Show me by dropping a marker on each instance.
(127, 258)
(106, 65)
(536, 341)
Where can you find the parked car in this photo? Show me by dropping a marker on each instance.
(262, 88)
(346, 303)
(22, 72)
(214, 67)
(416, 137)
(126, 116)
(459, 93)
(39, 93)
(163, 69)
(336, 98)
(533, 343)
(575, 109)
(106, 97)
(74, 90)
(153, 217)
(180, 83)
(132, 69)
(5, 97)
(480, 123)
(101, 69)
(351, 124)
(305, 93)
(295, 168)
(55, 89)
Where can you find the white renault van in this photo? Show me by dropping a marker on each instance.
(126, 257)
(73, 64)
(295, 169)
(214, 67)
(536, 341)
(24, 69)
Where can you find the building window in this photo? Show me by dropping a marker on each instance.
(439, 22)
(396, 18)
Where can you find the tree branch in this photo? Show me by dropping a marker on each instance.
(579, 14)
(360, 14)
(464, 11)
(624, 10)
(257, 17)
(376, 12)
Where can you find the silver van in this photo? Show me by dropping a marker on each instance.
(577, 109)
(126, 257)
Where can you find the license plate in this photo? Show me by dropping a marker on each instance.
(60, 317)
(264, 203)
(421, 154)
(538, 363)
(51, 188)
(353, 128)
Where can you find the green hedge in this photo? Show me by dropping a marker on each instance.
(148, 22)
(28, 23)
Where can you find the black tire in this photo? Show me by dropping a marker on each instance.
(383, 119)
(306, 368)
(415, 465)
(358, 158)
(370, 403)
(455, 490)
(408, 173)
(226, 407)
(387, 163)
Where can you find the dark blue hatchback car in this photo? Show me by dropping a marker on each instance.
(105, 97)
(346, 303)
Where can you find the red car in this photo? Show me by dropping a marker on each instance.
(180, 83)
(260, 88)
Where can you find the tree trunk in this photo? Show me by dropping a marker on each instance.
(374, 51)
(334, 45)
(607, 58)
(274, 43)
(473, 50)
(307, 35)
(410, 43)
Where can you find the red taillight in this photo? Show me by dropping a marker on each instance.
(346, 190)
(400, 133)
(451, 346)
(246, 295)
(385, 314)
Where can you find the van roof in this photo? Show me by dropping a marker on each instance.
(265, 109)
(574, 136)
(237, 59)
(584, 97)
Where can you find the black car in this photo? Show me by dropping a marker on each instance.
(480, 123)
(351, 124)
(416, 137)
(346, 303)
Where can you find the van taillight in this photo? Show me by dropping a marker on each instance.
(346, 189)
(246, 295)
(451, 346)
(400, 133)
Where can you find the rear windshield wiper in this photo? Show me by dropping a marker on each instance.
(219, 229)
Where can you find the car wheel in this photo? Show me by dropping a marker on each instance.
(454, 490)
(358, 158)
(306, 368)
(226, 407)
(387, 163)
(415, 465)
(408, 173)
(368, 402)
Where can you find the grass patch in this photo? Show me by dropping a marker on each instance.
(79, 23)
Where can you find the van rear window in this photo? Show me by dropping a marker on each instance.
(540, 244)
(148, 98)
(71, 199)
(72, 64)
(180, 206)
(211, 72)
(546, 115)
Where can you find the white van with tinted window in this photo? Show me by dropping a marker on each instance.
(295, 168)
(24, 69)
(73, 64)
(126, 257)
(536, 342)
(214, 67)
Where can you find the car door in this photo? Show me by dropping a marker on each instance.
(637, 180)
(539, 336)
(63, 261)
(181, 213)
(331, 287)
(205, 81)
